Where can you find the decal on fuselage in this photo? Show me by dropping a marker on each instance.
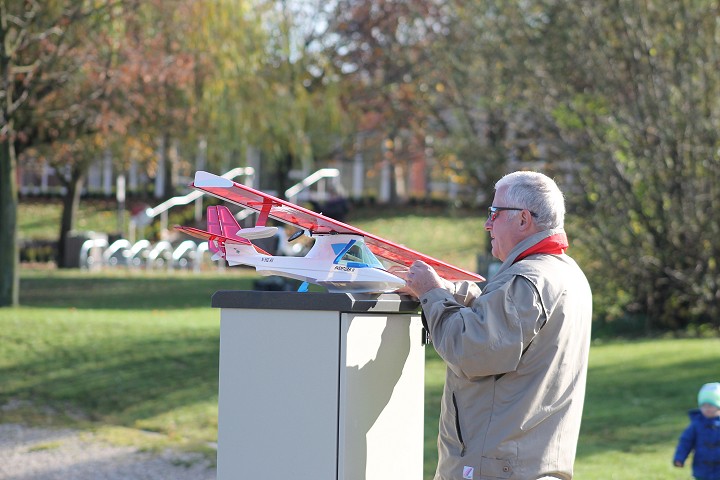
(343, 268)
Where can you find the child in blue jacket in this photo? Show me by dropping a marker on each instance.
(703, 435)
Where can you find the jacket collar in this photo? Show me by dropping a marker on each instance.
(526, 244)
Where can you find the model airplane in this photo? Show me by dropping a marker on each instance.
(342, 259)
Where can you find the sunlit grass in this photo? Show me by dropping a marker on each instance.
(136, 351)
(135, 357)
(636, 406)
(455, 240)
(40, 218)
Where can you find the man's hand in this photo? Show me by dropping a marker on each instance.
(401, 272)
(421, 278)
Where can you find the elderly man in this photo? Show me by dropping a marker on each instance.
(517, 352)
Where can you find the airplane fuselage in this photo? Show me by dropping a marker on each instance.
(329, 263)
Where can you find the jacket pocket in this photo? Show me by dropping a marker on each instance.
(458, 430)
(496, 468)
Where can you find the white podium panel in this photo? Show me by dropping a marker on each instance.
(331, 388)
(381, 399)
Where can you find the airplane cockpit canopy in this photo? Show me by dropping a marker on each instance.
(358, 255)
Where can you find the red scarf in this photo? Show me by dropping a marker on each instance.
(554, 244)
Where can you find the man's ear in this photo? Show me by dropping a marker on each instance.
(525, 219)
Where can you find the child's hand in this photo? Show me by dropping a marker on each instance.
(678, 463)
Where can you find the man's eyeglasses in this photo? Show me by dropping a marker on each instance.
(493, 212)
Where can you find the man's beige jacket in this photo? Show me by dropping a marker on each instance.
(516, 360)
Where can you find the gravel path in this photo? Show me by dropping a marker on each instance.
(30, 453)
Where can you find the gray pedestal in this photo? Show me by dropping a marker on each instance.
(320, 386)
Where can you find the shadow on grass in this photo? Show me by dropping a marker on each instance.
(119, 379)
(121, 348)
(637, 398)
(632, 408)
(97, 291)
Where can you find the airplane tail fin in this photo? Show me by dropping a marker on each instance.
(223, 223)
(221, 234)
(213, 226)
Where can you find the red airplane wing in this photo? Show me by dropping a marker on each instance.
(287, 212)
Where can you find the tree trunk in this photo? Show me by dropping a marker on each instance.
(71, 204)
(9, 254)
(282, 174)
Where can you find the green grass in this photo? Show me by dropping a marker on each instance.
(135, 357)
(636, 405)
(637, 397)
(456, 240)
(125, 353)
(40, 218)
(124, 289)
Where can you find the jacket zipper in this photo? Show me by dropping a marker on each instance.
(457, 426)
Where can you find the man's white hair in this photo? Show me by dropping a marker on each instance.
(536, 192)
